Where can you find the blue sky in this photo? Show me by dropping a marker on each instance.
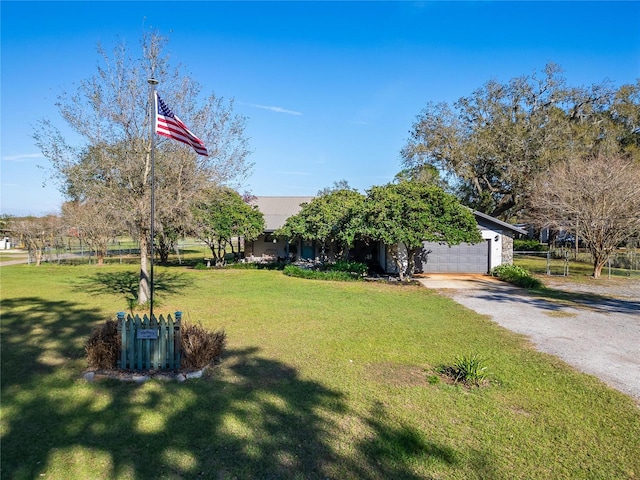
(331, 89)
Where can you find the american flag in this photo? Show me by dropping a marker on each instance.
(169, 125)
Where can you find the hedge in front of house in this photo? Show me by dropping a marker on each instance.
(339, 276)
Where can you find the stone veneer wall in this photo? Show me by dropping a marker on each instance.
(507, 248)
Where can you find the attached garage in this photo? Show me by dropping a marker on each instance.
(495, 249)
(463, 258)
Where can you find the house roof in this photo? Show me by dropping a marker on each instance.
(276, 210)
(483, 218)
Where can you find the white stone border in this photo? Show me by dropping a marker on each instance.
(92, 376)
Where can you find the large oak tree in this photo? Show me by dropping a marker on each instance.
(494, 142)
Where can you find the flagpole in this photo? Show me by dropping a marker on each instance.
(153, 82)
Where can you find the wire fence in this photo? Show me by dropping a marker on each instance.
(562, 262)
(119, 251)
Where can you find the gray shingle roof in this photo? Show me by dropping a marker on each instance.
(276, 210)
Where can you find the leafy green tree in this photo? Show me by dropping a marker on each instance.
(331, 218)
(220, 216)
(337, 185)
(406, 214)
(427, 174)
(111, 162)
(493, 143)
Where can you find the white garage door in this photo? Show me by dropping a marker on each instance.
(463, 258)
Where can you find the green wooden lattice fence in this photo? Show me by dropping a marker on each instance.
(149, 343)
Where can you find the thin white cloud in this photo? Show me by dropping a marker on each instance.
(21, 157)
(273, 109)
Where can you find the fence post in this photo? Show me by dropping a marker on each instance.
(122, 362)
(178, 339)
(549, 262)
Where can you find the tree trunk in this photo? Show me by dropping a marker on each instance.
(597, 268)
(144, 287)
(411, 262)
(399, 254)
(38, 254)
(600, 258)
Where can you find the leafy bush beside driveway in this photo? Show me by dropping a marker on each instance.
(517, 275)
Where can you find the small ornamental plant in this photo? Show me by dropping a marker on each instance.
(470, 370)
(200, 347)
(103, 346)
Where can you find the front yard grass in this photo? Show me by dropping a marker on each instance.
(320, 380)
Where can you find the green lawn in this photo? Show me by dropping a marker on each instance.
(320, 380)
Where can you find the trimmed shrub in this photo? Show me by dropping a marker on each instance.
(516, 275)
(199, 346)
(295, 271)
(243, 266)
(355, 268)
(529, 246)
(103, 347)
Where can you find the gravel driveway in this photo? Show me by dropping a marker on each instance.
(593, 327)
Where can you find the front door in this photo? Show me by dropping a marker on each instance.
(307, 250)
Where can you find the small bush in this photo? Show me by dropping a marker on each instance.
(468, 369)
(355, 268)
(200, 266)
(529, 246)
(295, 271)
(243, 266)
(103, 347)
(199, 346)
(517, 275)
(256, 266)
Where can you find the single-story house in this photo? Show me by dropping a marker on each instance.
(267, 247)
(496, 248)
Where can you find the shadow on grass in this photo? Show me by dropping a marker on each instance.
(127, 283)
(251, 417)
